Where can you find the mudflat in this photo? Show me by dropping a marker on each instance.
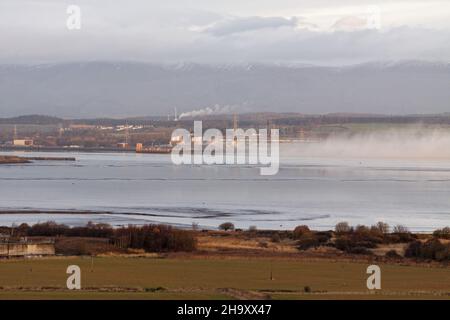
(12, 160)
(16, 159)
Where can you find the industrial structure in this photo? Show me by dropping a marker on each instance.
(23, 142)
(25, 248)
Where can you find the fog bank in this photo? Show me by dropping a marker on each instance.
(416, 143)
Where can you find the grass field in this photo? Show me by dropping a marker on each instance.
(201, 278)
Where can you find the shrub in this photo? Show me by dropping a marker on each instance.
(351, 243)
(392, 254)
(83, 246)
(323, 236)
(307, 242)
(99, 230)
(73, 246)
(22, 230)
(360, 250)
(155, 289)
(52, 229)
(444, 254)
(300, 231)
(156, 238)
(364, 234)
(343, 243)
(402, 234)
(357, 240)
(361, 229)
(263, 244)
(432, 249)
(226, 226)
(275, 237)
(48, 229)
(413, 250)
(313, 240)
(443, 233)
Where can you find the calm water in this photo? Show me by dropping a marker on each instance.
(318, 192)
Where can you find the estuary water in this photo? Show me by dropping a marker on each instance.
(124, 188)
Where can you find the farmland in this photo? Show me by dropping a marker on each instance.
(193, 277)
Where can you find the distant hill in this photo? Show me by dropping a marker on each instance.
(126, 89)
(31, 119)
(246, 119)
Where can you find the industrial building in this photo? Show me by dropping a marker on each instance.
(23, 142)
(25, 248)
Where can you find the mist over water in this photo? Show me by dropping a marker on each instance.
(414, 143)
(396, 176)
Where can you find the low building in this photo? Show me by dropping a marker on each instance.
(26, 249)
(123, 145)
(23, 142)
(176, 140)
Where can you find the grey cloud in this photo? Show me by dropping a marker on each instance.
(154, 31)
(350, 22)
(243, 24)
(300, 45)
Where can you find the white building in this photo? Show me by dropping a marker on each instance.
(23, 142)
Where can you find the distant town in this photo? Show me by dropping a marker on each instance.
(153, 134)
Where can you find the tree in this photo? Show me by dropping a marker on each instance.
(226, 226)
(400, 229)
(443, 233)
(342, 227)
(381, 227)
(301, 231)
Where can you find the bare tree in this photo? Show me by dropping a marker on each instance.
(342, 227)
(381, 227)
(400, 229)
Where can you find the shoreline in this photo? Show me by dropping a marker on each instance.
(62, 149)
(13, 160)
(83, 149)
(7, 159)
(179, 225)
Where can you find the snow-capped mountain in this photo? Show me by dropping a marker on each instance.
(97, 89)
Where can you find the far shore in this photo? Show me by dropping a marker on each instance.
(17, 160)
(90, 213)
(12, 160)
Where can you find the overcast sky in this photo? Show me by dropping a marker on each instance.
(226, 31)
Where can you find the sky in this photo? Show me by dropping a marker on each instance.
(320, 32)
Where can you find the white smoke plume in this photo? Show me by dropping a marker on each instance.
(217, 109)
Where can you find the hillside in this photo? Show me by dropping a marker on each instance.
(129, 89)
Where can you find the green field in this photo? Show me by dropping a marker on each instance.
(195, 278)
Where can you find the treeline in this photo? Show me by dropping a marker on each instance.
(156, 238)
(432, 249)
(361, 239)
(357, 240)
(151, 238)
